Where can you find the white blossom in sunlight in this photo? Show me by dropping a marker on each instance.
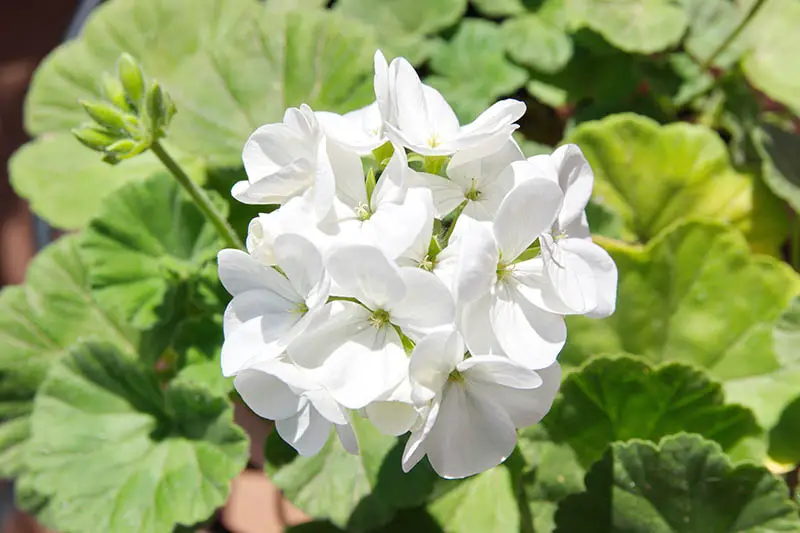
(414, 273)
(472, 406)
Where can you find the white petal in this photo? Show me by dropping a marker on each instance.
(381, 84)
(301, 261)
(364, 272)
(339, 322)
(527, 211)
(307, 432)
(525, 407)
(443, 119)
(527, 334)
(395, 228)
(392, 418)
(498, 370)
(576, 179)
(477, 329)
(478, 255)
(604, 272)
(415, 446)
(536, 287)
(427, 304)
(433, 359)
(471, 434)
(570, 274)
(422, 201)
(447, 195)
(356, 130)
(366, 367)
(324, 183)
(391, 186)
(347, 437)
(325, 404)
(266, 395)
(498, 115)
(349, 175)
(239, 273)
(413, 118)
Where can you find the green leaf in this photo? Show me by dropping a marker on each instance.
(471, 69)
(403, 24)
(354, 492)
(780, 155)
(149, 239)
(553, 473)
(115, 452)
(499, 8)
(683, 485)
(623, 398)
(229, 65)
(537, 43)
(39, 321)
(655, 175)
(771, 63)
(710, 23)
(642, 26)
(783, 441)
(67, 184)
(695, 294)
(485, 502)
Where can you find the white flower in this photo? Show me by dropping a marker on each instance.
(473, 405)
(285, 160)
(574, 275)
(269, 310)
(392, 217)
(490, 279)
(360, 130)
(304, 412)
(481, 183)
(418, 117)
(358, 348)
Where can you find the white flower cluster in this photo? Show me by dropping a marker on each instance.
(416, 274)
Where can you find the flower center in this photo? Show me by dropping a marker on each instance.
(363, 212)
(473, 193)
(504, 270)
(455, 377)
(379, 318)
(434, 141)
(427, 263)
(300, 309)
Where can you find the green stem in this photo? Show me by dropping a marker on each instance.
(794, 245)
(458, 211)
(199, 197)
(733, 35)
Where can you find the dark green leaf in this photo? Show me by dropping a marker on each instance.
(683, 485)
(619, 399)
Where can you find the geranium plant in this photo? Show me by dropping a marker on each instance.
(493, 299)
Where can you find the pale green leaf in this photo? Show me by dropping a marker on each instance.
(67, 184)
(695, 294)
(403, 24)
(39, 321)
(116, 452)
(356, 492)
(772, 63)
(229, 65)
(783, 438)
(655, 175)
(149, 239)
(619, 399)
(471, 70)
(780, 154)
(499, 8)
(643, 26)
(537, 43)
(485, 502)
(711, 22)
(683, 485)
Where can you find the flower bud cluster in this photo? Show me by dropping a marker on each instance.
(416, 274)
(134, 114)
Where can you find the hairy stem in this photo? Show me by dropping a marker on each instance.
(199, 197)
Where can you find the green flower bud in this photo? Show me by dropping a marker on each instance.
(106, 115)
(132, 78)
(93, 137)
(115, 92)
(154, 107)
(122, 147)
